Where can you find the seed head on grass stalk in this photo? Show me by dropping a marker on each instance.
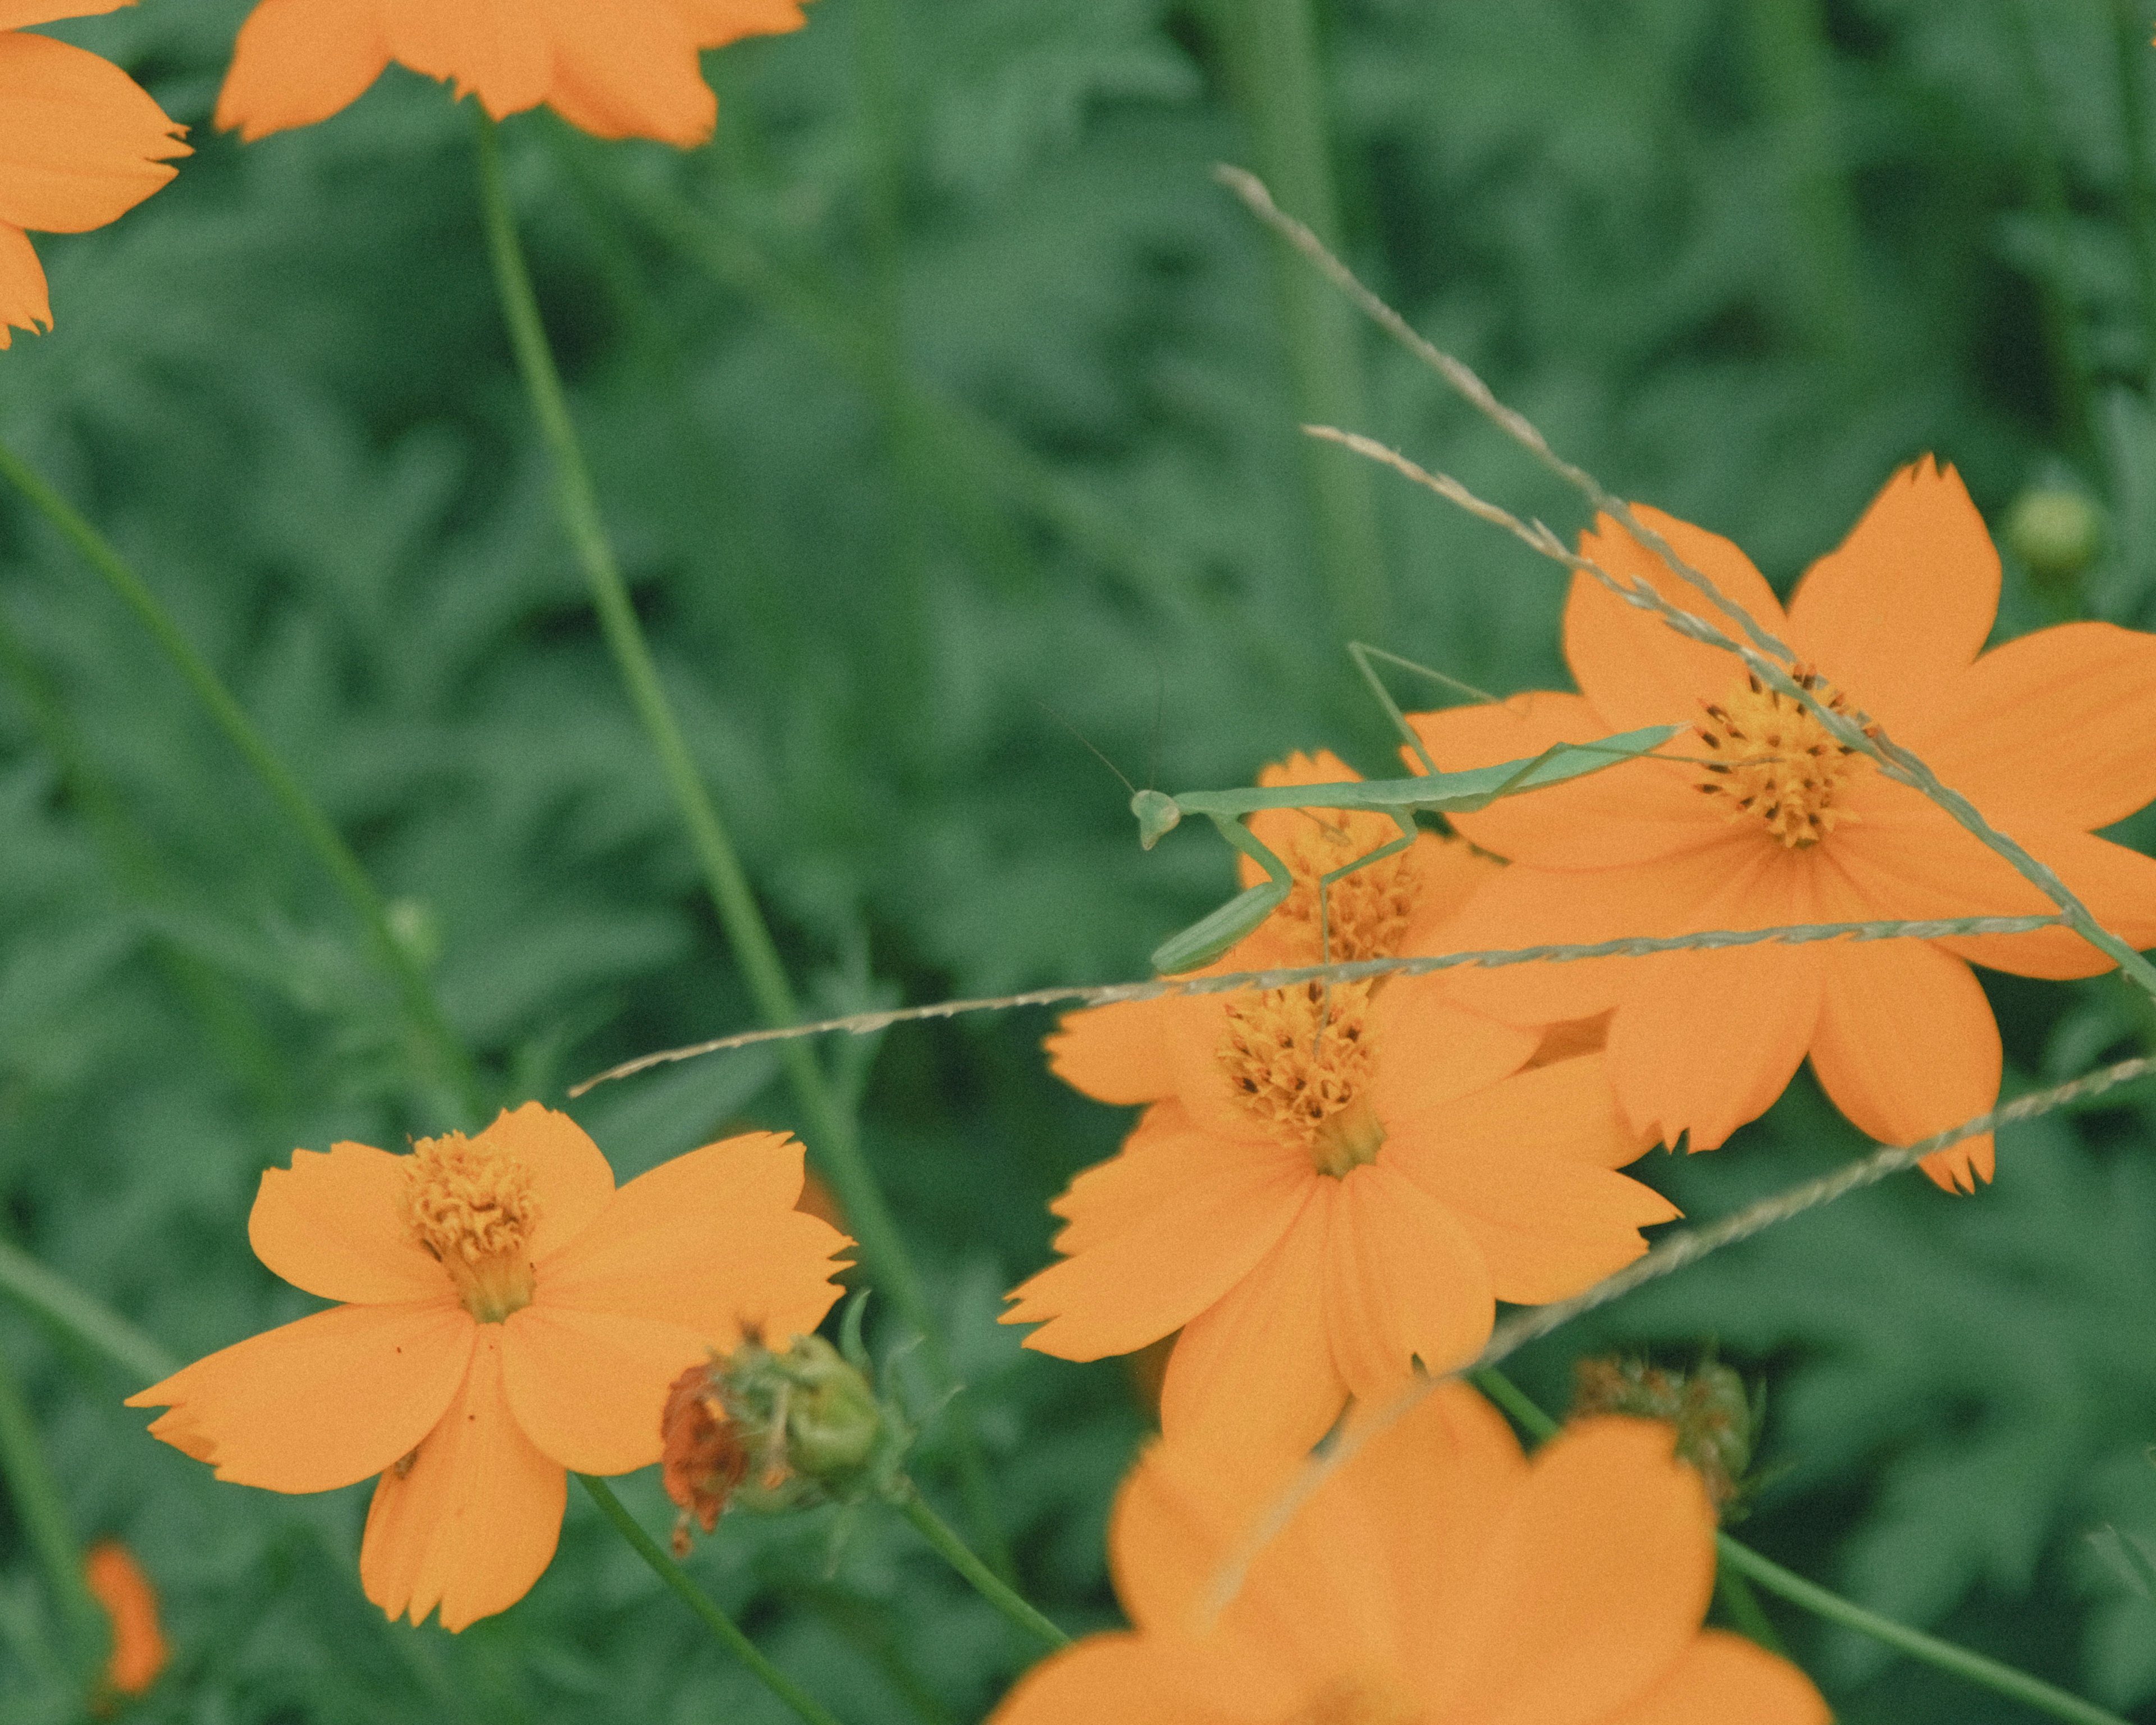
(616, 68)
(1439, 1575)
(1331, 1182)
(509, 1316)
(2046, 734)
(81, 144)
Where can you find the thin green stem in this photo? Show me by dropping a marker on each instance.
(805, 1706)
(87, 1320)
(2131, 39)
(1988, 1673)
(986, 1583)
(443, 1056)
(1746, 1612)
(1269, 49)
(2062, 321)
(43, 1514)
(1790, 61)
(829, 1128)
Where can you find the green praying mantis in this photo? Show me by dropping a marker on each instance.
(1399, 799)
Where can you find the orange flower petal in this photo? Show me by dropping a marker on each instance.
(2116, 884)
(329, 1224)
(299, 61)
(628, 69)
(472, 1522)
(1114, 1676)
(1632, 813)
(1197, 1212)
(710, 1241)
(713, 24)
(318, 1404)
(1525, 906)
(116, 1582)
(1434, 1051)
(1526, 1168)
(2052, 725)
(570, 1178)
(1594, 1584)
(1633, 668)
(1117, 1054)
(1897, 614)
(498, 49)
(1253, 1372)
(81, 143)
(1722, 1677)
(21, 14)
(1906, 1046)
(588, 1388)
(24, 304)
(1404, 1281)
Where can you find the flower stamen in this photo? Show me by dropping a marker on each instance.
(1304, 1073)
(471, 1205)
(1776, 763)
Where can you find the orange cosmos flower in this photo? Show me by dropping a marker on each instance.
(1439, 1575)
(617, 68)
(2046, 734)
(116, 1582)
(1326, 1190)
(81, 144)
(510, 1315)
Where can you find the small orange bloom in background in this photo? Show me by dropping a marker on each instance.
(1439, 1575)
(509, 1316)
(617, 68)
(81, 144)
(2048, 735)
(1325, 1190)
(116, 1582)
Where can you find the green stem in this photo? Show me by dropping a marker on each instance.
(829, 1128)
(1990, 1673)
(1269, 49)
(805, 1706)
(95, 1326)
(1746, 1612)
(2131, 39)
(2062, 322)
(43, 1516)
(986, 1583)
(1790, 59)
(450, 1065)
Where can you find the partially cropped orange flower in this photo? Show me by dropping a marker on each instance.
(81, 144)
(509, 1315)
(1439, 1579)
(617, 68)
(116, 1582)
(2048, 735)
(1329, 1188)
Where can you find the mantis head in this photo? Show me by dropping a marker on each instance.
(1157, 813)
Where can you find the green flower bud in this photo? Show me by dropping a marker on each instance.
(1709, 1407)
(2056, 531)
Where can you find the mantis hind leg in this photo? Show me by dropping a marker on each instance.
(1362, 653)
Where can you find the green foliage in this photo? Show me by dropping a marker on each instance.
(943, 383)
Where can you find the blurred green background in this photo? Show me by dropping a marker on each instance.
(944, 388)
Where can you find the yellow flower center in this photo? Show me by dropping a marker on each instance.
(1358, 1699)
(1772, 759)
(1306, 1074)
(471, 1205)
(1367, 912)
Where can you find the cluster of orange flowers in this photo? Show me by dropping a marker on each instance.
(1329, 1190)
(1331, 1186)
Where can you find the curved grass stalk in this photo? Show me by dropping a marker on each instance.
(864, 1023)
(1749, 1565)
(805, 1706)
(451, 1066)
(1764, 655)
(830, 1127)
